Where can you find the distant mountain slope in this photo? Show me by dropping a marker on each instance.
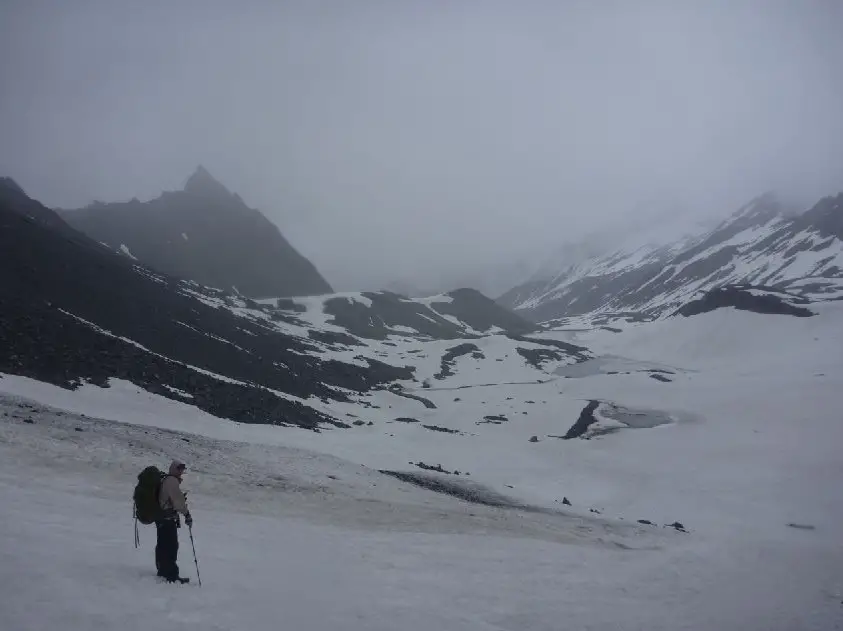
(761, 244)
(206, 234)
(72, 311)
(457, 314)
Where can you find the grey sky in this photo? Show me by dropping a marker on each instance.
(395, 139)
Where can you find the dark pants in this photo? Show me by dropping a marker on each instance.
(167, 549)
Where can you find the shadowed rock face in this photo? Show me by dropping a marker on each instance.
(72, 310)
(748, 298)
(207, 234)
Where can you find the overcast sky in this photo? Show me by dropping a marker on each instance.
(396, 139)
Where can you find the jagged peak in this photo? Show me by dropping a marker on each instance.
(762, 208)
(203, 183)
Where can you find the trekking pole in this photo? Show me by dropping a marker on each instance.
(195, 560)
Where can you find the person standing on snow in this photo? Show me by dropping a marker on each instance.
(173, 503)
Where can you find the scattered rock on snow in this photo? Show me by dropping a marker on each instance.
(462, 489)
(437, 428)
(438, 468)
(802, 526)
(492, 419)
(537, 357)
(430, 405)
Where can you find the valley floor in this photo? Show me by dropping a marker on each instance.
(299, 530)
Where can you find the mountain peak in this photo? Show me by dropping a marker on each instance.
(203, 183)
(9, 183)
(761, 209)
(187, 233)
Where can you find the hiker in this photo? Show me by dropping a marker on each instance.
(172, 503)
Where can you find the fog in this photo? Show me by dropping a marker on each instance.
(417, 140)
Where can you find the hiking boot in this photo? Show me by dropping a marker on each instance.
(179, 580)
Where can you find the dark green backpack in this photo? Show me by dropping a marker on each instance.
(147, 508)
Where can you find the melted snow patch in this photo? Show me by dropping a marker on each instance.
(180, 393)
(149, 274)
(125, 250)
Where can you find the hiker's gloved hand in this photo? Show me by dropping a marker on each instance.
(188, 520)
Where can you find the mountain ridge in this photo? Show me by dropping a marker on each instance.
(203, 233)
(765, 242)
(73, 313)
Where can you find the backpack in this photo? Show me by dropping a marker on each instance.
(147, 508)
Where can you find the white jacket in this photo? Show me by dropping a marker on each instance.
(170, 497)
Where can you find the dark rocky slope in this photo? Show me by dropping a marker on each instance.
(442, 318)
(72, 310)
(203, 233)
(748, 298)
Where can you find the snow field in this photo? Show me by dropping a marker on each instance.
(300, 558)
(298, 528)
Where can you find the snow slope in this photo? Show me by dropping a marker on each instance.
(406, 463)
(281, 542)
(300, 527)
(761, 244)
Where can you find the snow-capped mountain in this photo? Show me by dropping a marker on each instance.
(763, 243)
(353, 458)
(203, 233)
(73, 312)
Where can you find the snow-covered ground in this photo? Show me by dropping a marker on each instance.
(297, 529)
